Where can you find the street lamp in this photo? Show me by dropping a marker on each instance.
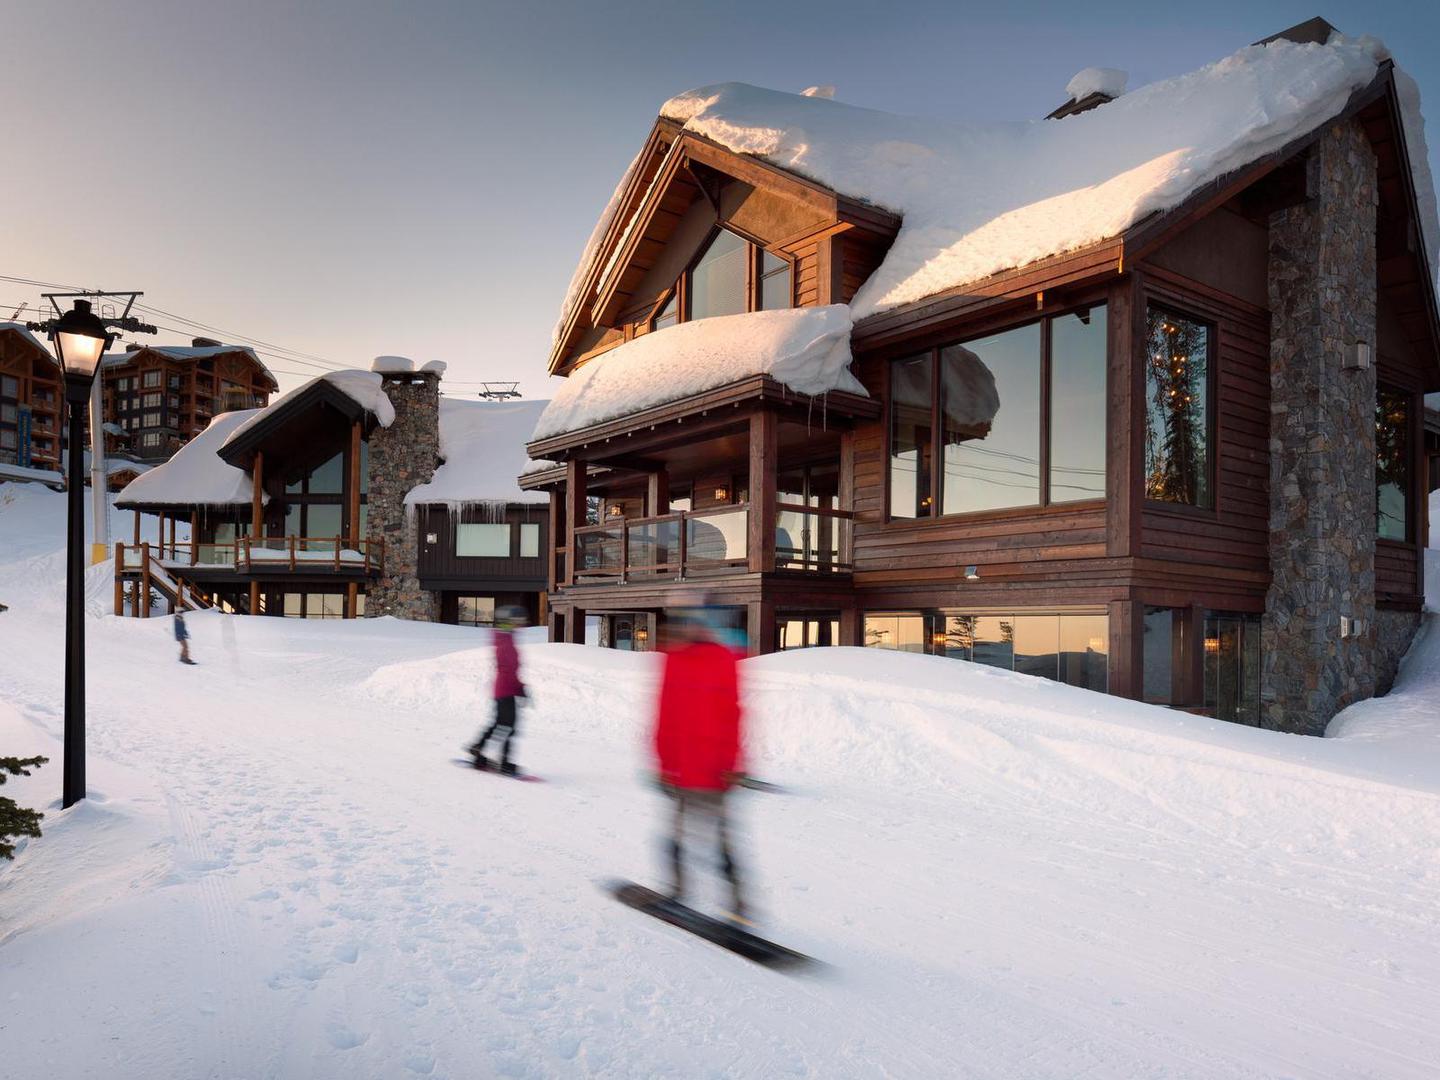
(80, 340)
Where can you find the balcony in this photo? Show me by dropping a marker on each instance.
(261, 555)
(699, 544)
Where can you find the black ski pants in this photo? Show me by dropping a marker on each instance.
(506, 718)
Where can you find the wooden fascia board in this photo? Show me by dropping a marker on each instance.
(663, 129)
(643, 216)
(239, 451)
(1072, 269)
(754, 388)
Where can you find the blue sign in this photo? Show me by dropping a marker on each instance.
(22, 448)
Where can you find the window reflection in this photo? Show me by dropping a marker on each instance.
(990, 408)
(717, 282)
(1177, 417)
(1077, 387)
(910, 430)
(1392, 445)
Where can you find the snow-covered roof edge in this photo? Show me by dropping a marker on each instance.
(196, 475)
(482, 447)
(365, 388)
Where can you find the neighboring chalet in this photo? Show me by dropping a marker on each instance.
(159, 397)
(362, 493)
(31, 400)
(1128, 398)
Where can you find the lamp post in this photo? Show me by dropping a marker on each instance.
(80, 340)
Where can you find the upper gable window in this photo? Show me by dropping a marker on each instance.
(718, 280)
(775, 282)
(669, 314)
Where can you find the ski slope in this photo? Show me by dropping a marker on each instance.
(281, 874)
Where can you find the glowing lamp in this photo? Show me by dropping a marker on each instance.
(80, 340)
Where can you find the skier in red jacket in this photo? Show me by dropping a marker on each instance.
(697, 744)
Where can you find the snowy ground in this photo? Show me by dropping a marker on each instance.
(280, 874)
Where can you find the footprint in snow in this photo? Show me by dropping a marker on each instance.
(342, 1038)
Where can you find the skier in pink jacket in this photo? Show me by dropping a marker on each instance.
(508, 690)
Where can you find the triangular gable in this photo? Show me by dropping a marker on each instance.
(678, 174)
(289, 421)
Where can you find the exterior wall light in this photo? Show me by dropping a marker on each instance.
(1357, 357)
(722, 494)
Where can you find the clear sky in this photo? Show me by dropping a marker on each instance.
(349, 179)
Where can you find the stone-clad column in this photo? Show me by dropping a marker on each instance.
(1322, 441)
(402, 456)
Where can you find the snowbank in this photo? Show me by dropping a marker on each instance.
(806, 349)
(26, 473)
(482, 446)
(197, 475)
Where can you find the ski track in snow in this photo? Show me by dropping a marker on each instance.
(281, 874)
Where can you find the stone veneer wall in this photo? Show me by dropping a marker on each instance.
(1322, 442)
(402, 456)
(1394, 631)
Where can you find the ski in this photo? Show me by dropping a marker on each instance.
(716, 931)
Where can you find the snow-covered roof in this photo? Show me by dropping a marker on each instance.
(363, 387)
(25, 332)
(483, 447)
(806, 349)
(977, 198)
(28, 474)
(187, 352)
(196, 475)
(1097, 80)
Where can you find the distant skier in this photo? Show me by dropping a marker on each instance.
(182, 635)
(508, 690)
(697, 745)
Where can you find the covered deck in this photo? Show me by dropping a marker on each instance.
(740, 494)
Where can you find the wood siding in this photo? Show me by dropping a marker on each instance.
(440, 568)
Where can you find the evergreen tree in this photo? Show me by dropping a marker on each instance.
(16, 820)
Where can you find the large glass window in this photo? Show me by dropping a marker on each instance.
(775, 282)
(1392, 455)
(1177, 409)
(475, 610)
(1232, 667)
(981, 406)
(990, 422)
(1037, 645)
(529, 540)
(806, 630)
(903, 632)
(718, 281)
(1077, 390)
(1158, 653)
(1084, 650)
(483, 541)
(669, 314)
(910, 433)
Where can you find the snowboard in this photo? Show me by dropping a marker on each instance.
(529, 778)
(716, 931)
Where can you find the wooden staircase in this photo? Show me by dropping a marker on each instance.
(140, 575)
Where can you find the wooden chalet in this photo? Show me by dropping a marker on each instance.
(159, 397)
(336, 501)
(31, 397)
(1106, 466)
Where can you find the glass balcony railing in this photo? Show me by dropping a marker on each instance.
(701, 543)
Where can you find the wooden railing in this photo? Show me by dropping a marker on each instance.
(812, 538)
(336, 553)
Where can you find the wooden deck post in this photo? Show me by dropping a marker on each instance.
(352, 594)
(657, 493)
(257, 508)
(137, 528)
(553, 542)
(254, 598)
(1125, 418)
(119, 580)
(764, 449)
(145, 580)
(760, 627)
(850, 626)
(575, 480)
(194, 537)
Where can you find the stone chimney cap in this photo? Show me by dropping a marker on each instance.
(434, 367)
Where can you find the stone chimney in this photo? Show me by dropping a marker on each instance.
(402, 456)
(1319, 645)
